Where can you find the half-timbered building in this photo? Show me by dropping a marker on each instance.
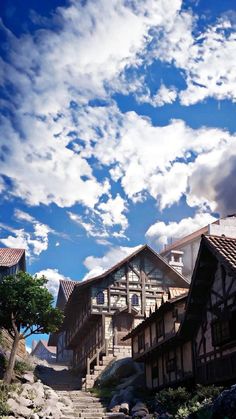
(57, 340)
(11, 261)
(193, 337)
(102, 310)
(211, 311)
(167, 359)
(43, 351)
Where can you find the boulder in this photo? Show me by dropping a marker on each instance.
(124, 408)
(18, 409)
(28, 377)
(139, 406)
(118, 370)
(225, 404)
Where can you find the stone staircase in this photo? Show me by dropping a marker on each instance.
(84, 406)
(89, 380)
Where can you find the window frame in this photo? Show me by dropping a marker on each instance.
(98, 295)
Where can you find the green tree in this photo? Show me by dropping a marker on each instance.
(26, 308)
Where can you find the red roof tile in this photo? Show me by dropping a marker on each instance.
(225, 248)
(10, 257)
(67, 287)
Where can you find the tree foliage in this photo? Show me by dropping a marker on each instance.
(26, 308)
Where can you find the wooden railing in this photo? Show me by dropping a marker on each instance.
(103, 349)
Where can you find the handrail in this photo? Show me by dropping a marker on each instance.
(97, 355)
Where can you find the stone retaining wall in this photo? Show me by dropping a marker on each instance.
(7, 344)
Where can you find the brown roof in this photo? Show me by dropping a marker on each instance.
(224, 248)
(10, 257)
(67, 287)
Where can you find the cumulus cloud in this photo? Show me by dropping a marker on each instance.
(53, 276)
(54, 131)
(206, 58)
(165, 95)
(107, 218)
(213, 180)
(98, 265)
(160, 233)
(153, 160)
(34, 241)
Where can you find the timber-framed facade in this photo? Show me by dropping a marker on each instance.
(102, 310)
(201, 345)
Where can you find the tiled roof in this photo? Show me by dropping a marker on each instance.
(67, 287)
(225, 248)
(51, 349)
(10, 257)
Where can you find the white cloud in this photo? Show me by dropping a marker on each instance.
(28, 349)
(112, 213)
(34, 241)
(105, 219)
(161, 233)
(207, 59)
(98, 265)
(97, 46)
(163, 96)
(53, 276)
(148, 159)
(45, 149)
(213, 180)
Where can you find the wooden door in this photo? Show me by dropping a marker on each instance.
(122, 325)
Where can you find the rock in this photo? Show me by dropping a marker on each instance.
(28, 377)
(34, 416)
(165, 415)
(115, 401)
(225, 404)
(122, 368)
(116, 415)
(66, 401)
(139, 407)
(18, 409)
(124, 408)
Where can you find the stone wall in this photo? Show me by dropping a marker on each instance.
(7, 344)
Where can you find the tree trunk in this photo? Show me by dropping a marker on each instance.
(11, 363)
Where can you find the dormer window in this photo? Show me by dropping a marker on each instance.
(135, 300)
(100, 298)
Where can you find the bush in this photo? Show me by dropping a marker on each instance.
(172, 399)
(181, 402)
(4, 410)
(21, 367)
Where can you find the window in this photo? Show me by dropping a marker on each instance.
(170, 365)
(135, 300)
(141, 342)
(220, 332)
(155, 373)
(100, 297)
(160, 328)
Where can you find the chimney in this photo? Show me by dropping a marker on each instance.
(175, 260)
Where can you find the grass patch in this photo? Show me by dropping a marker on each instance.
(4, 394)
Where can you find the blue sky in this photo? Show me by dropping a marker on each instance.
(117, 127)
